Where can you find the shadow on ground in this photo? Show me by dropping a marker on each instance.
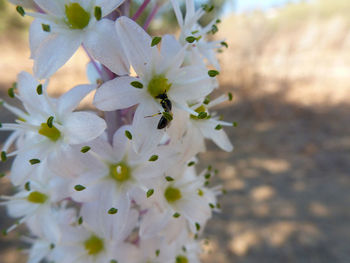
(287, 183)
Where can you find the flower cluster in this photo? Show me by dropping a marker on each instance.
(122, 187)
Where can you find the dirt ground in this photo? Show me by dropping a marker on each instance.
(288, 178)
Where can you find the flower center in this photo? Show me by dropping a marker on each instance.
(77, 17)
(181, 259)
(93, 245)
(120, 172)
(198, 110)
(158, 85)
(52, 133)
(172, 194)
(37, 197)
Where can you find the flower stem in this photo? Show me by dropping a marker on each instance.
(141, 9)
(98, 69)
(151, 16)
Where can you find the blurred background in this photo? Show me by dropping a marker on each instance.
(288, 179)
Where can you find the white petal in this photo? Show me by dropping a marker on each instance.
(81, 127)
(191, 84)
(32, 101)
(54, 52)
(170, 46)
(146, 135)
(121, 142)
(36, 35)
(136, 43)
(104, 45)
(117, 94)
(52, 6)
(24, 3)
(218, 136)
(71, 99)
(108, 6)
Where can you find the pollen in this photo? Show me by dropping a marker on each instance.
(37, 197)
(158, 85)
(77, 17)
(94, 245)
(52, 133)
(120, 172)
(172, 194)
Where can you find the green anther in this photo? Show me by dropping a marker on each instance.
(136, 84)
(213, 73)
(20, 10)
(3, 156)
(80, 220)
(120, 172)
(155, 41)
(200, 192)
(11, 92)
(27, 186)
(207, 176)
(77, 17)
(218, 127)
(235, 124)
(218, 206)
(37, 197)
(113, 261)
(112, 211)
(52, 133)
(206, 100)
(202, 115)
(39, 89)
(190, 39)
(211, 206)
(98, 13)
(153, 158)
(150, 193)
(85, 149)
(52, 246)
(4, 232)
(49, 121)
(181, 259)
(176, 215)
(46, 28)
(94, 245)
(191, 163)
(157, 252)
(169, 178)
(2, 175)
(158, 85)
(195, 32)
(34, 161)
(214, 29)
(201, 110)
(223, 43)
(79, 187)
(172, 194)
(128, 135)
(230, 96)
(198, 226)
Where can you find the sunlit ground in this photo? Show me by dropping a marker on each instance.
(288, 178)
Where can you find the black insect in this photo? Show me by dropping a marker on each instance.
(167, 115)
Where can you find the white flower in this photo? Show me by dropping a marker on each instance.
(192, 32)
(209, 127)
(48, 125)
(57, 34)
(159, 74)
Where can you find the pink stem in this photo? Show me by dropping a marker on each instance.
(141, 9)
(151, 16)
(93, 61)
